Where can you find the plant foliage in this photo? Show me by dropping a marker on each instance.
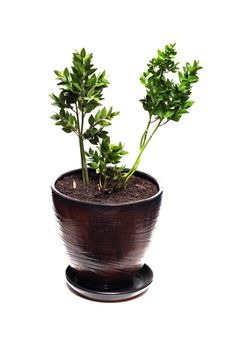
(168, 91)
(167, 98)
(81, 92)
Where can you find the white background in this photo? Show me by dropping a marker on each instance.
(189, 306)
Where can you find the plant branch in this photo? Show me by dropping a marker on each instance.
(138, 159)
(144, 135)
(82, 121)
(165, 122)
(82, 149)
(77, 115)
(155, 120)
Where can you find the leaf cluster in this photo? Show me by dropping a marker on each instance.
(81, 91)
(97, 123)
(105, 160)
(66, 120)
(81, 84)
(165, 98)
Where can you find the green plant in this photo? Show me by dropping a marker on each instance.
(82, 92)
(104, 160)
(166, 99)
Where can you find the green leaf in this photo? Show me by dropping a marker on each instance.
(83, 52)
(188, 104)
(91, 120)
(77, 86)
(67, 130)
(161, 54)
(87, 59)
(91, 92)
(55, 117)
(58, 74)
(193, 79)
(168, 114)
(104, 123)
(71, 121)
(94, 140)
(113, 114)
(91, 81)
(90, 106)
(66, 73)
(176, 117)
(181, 77)
(62, 113)
(102, 134)
(143, 80)
(94, 165)
(104, 112)
(60, 123)
(93, 131)
(78, 66)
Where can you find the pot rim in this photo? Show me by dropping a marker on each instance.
(137, 173)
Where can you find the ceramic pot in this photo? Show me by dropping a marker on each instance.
(106, 243)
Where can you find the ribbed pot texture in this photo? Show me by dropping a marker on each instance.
(106, 242)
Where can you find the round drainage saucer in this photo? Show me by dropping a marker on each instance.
(139, 285)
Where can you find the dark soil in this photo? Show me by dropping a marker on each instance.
(137, 189)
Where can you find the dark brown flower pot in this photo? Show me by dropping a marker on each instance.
(106, 242)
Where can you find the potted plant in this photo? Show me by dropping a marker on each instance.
(106, 211)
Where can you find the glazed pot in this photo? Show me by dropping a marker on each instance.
(106, 243)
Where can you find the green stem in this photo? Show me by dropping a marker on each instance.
(83, 162)
(138, 159)
(144, 135)
(79, 133)
(82, 122)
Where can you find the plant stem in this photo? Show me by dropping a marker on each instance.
(79, 133)
(83, 161)
(142, 148)
(144, 135)
(82, 122)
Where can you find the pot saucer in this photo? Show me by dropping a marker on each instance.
(140, 284)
